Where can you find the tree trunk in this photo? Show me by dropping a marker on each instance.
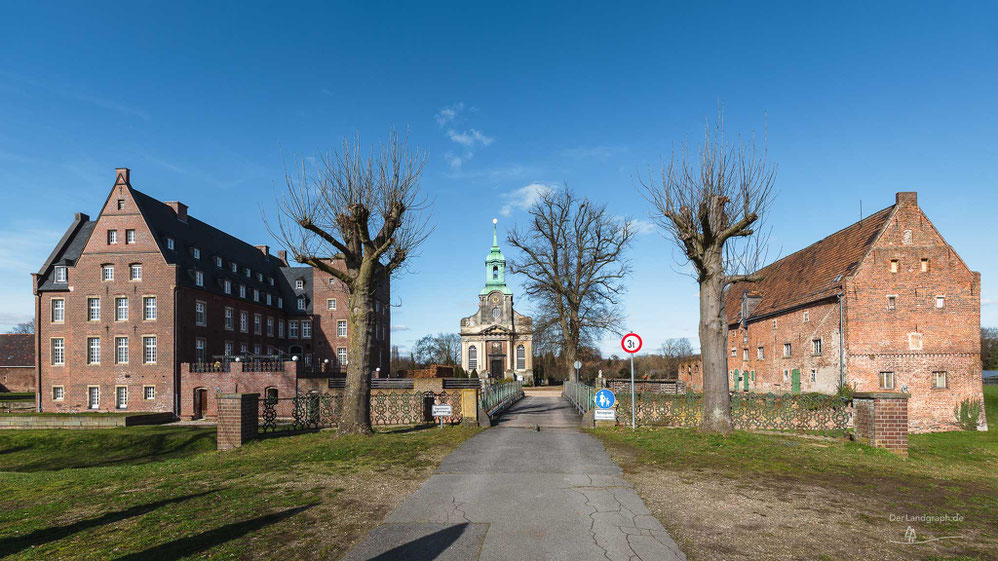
(713, 343)
(356, 413)
(570, 354)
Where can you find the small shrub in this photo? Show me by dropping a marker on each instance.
(968, 413)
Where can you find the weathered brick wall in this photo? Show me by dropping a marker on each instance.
(18, 379)
(238, 420)
(233, 382)
(881, 420)
(432, 371)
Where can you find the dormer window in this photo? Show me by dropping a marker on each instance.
(199, 278)
(259, 277)
(235, 268)
(60, 274)
(256, 295)
(247, 272)
(268, 299)
(170, 244)
(299, 284)
(228, 286)
(197, 253)
(271, 280)
(218, 262)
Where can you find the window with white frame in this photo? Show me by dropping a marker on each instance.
(257, 350)
(93, 350)
(270, 326)
(886, 380)
(331, 303)
(259, 277)
(760, 353)
(521, 357)
(925, 265)
(60, 274)
(247, 272)
(256, 295)
(148, 307)
(807, 317)
(93, 397)
(308, 359)
(306, 329)
(199, 278)
(280, 328)
(269, 299)
(892, 302)
(107, 272)
(58, 351)
(58, 393)
(149, 349)
(121, 308)
(472, 357)
(940, 302)
(197, 253)
(734, 352)
(280, 302)
(341, 355)
(121, 204)
(121, 397)
(135, 272)
(301, 303)
(341, 328)
(170, 244)
(299, 284)
(112, 236)
(242, 291)
(243, 348)
(218, 262)
(787, 350)
(200, 313)
(894, 265)
(939, 380)
(816, 346)
(234, 267)
(228, 348)
(200, 352)
(148, 392)
(244, 322)
(58, 310)
(121, 350)
(293, 329)
(129, 236)
(257, 324)
(93, 309)
(227, 286)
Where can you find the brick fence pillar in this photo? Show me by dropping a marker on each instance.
(238, 422)
(881, 420)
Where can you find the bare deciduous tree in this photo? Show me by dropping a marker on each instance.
(572, 255)
(23, 328)
(366, 212)
(710, 201)
(442, 348)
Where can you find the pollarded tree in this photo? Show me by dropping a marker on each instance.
(572, 254)
(710, 201)
(365, 211)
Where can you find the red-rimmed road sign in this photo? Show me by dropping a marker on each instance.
(631, 343)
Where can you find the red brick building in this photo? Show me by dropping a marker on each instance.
(17, 362)
(127, 298)
(906, 306)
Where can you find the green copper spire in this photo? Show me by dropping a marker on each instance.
(495, 266)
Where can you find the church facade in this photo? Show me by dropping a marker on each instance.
(497, 342)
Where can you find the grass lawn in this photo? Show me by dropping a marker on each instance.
(753, 496)
(164, 493)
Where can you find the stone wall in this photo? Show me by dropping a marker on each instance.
(81, 421)
(238, 420)
(881, 419)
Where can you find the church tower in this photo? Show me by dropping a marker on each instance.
(497, 342)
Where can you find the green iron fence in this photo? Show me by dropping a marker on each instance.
(315, 411)
(809, 413)
(581, 395)
(494, 397)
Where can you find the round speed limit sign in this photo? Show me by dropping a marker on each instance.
(631, 343)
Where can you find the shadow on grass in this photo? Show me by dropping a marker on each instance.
(10, 546)
(160, 447)
(192, 545)
(14, 449)
(407, 429)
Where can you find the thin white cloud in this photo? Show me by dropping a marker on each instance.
(455, 161)
(469, 137)
(600, 153)
(449, 113)
(399, 327)
(524, 197)
(988, 302)
(642, 226)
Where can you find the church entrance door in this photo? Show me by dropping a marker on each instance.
(495, 368)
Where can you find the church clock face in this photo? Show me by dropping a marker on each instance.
(495, 298)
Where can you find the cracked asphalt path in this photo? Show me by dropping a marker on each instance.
(513, 493)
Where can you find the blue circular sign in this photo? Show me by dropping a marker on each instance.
(605, 399)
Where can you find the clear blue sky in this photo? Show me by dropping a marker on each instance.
(860, 101)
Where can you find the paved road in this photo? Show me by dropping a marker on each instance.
(514, 493)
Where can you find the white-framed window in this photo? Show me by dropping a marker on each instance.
(200, 350)
(301, 303)
(197, 253)
(247, 272)
(270, 280)
(807, 317)
(939, 380)
(269, 299)
(734, 352)
(58, 351)
(112, 237)
(107, 273)
(892, 302)
(170, 244)
(218, 262)
(227, 286)
(93, 350)
(814, 375)
(257, 324)
(121, 308)
(280, 328)
(121, 350)
(787, 350)
(58, 393)
(93, 309)
(331, 303)
(341, 328)
(745, 354)
(58, 310)
(148, 392)
(242, 291)
(308, 359)
(886, 380)
(306, 329)
(244, 322)
(299, 284)
(148, 307)
(149, 349)
(121, 397)
(925, 265)
(234, 267)
(228, 318)
(135, 272)
(894, 265)
(293, 329)
(256, 295)
(60, 273)
(200, 313)
(341, 355)
(940, 302)
(129, 236)
(521, 357)
(121, 204)
(816, 346)
(270, 326)
(199, 278)
(472, 357)
(760, 353)
(243, 348)
(259, 276)
(228, 348)
(93, 397)
(257, 350)
(280, 302)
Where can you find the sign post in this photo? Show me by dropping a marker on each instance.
(604, 400)
(631, 344)
(578, 366)
(441, 411)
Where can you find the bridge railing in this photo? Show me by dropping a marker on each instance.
(581, 395)
(496, 397)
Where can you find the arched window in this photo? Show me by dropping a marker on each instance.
(495, 272)
(496, 313)
(521, 358)
(472, 358)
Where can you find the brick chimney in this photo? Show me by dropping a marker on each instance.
(905, 198)
(283, 256)
(264, 249)
(121, 176)
(180, 209)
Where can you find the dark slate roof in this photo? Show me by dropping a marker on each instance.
(212, 243)
(17, 350)
(292, 275)
(812, 274)
(67, 251)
